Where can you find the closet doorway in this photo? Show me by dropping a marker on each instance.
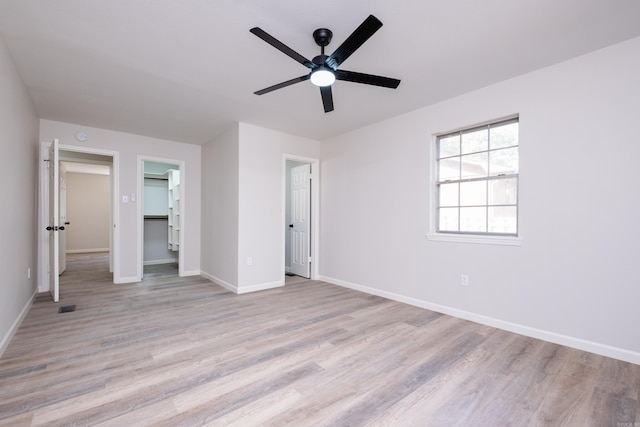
(162, 219)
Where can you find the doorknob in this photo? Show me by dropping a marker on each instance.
(290, 225)
(67, 223)
(49, 228)
(61, 228)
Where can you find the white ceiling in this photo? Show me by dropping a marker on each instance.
(186, 70)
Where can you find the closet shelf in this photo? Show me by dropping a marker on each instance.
(156, 217)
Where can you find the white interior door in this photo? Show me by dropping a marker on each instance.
(300, 220)
(54, 221)
(62, 236)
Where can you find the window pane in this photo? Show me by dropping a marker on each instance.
(449, 146)
(503, 191)
(473, 219)
(449, 169)
(504, 136)
(448, 220)
(475, 141)
(503, 220)
(477, 183)
(503, 161)
(449, 194)
(473, 193)
(475, 165)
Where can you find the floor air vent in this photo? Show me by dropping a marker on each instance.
(67, 308)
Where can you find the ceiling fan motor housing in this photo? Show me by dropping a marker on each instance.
(322, 36)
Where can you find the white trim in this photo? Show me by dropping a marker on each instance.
(86, 251)
(43, 215)
(228, 286)
(123, 280)
(160, 261)
(482, 240)
(578, 343)
(315, 210)
(16, 323)
(43, 220)
(114, 251)
(190, 273)
(242, 289)
(260, 287)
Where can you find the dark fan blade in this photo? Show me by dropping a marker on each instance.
(327, 98)
(282, 47)
(354, 41)
(283, 84)
(368, 79)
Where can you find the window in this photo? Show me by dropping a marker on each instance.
(477, 180)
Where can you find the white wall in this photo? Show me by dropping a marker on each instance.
(262, 203)
(244, 203)
(573, 279)
(129, 148)
(88, 205)
(156, 196)
(18, 142)
(220, 209)
(156, 242)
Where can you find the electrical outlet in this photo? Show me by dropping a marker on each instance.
(249, 261)
(464, 280)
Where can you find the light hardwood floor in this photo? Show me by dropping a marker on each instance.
(186, 352)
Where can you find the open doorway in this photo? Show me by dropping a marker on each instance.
(161, 216)
(71, 160)
(85, 211)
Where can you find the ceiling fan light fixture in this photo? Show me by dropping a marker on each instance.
(322, 77)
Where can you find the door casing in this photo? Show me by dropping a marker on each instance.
(43, 212)
(314, 230)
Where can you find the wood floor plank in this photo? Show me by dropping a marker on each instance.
(185, 351)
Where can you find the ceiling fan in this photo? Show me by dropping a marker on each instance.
(325, 69)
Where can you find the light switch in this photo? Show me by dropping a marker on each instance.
(125, 199)
(133, 197)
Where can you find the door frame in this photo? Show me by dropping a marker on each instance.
(140, 238)
(43, 211)
(314, 231)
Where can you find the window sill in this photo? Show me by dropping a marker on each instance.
(481, 240)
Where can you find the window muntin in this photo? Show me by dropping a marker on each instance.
(477, 180)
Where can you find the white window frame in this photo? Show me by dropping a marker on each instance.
(467, 237)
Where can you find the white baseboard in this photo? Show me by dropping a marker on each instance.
(260, 287)
(16, 324)
(228, 286)
(190, 273)
(122, 280)
(86, 251)
(578, 343)
(160, 261)
(242, 289)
